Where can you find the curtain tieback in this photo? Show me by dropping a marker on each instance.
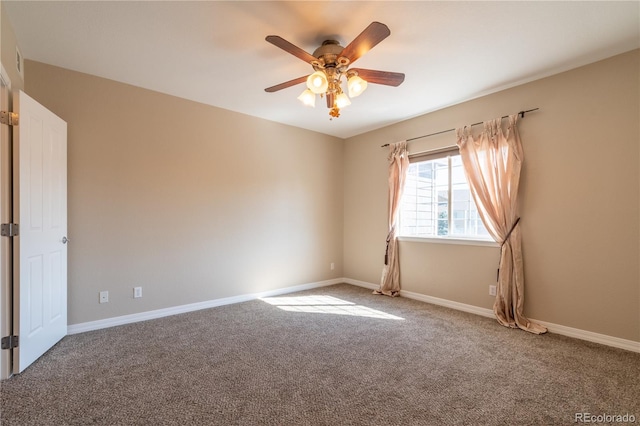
(386, 252)
(510, 231)
(504, 242)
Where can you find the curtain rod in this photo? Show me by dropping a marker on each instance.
(521, 114)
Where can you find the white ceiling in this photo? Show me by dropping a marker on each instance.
(215, 52)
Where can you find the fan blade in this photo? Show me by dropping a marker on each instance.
(381, 77)
(330, 98)
(286, 84)
(372, 35)
(288, 47)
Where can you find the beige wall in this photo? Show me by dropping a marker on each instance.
(154, 203)
(191, 202)
(8, 46)
(579, 201)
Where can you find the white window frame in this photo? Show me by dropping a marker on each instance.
(447, 152)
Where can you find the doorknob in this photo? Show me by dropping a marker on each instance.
(65, 240)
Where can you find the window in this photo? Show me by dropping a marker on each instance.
(437, 202)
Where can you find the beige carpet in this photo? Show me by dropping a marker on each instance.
(347, 358)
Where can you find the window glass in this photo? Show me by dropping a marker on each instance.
(437, 202)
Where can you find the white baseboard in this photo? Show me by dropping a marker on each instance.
(159, 313)
(448, 303)
(603, 339)
(361, 283)
(590, 336)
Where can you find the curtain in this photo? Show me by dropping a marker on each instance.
(398, 165)
(492, 163)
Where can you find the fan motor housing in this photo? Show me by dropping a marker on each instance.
(328, 47)
(327, 55)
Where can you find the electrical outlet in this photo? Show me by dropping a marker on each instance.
(137, 292)
(492, 290)
(332, 266)
(104, 296)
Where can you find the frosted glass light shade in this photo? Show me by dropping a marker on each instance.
(342, 100)
(356, 86)
(317, 82)
(308, 98)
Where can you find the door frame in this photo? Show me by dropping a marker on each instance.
(6, 213)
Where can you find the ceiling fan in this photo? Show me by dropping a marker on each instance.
(331, 62)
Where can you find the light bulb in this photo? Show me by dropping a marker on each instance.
(356, 86)
(308, 98)
(342, 100)
(317, 82)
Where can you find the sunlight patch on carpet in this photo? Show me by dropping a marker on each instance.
(326, 305)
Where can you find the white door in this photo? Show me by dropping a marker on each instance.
(40, 249)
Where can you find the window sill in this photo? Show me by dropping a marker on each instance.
(459, 241)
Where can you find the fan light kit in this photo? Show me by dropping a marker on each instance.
(331, 63)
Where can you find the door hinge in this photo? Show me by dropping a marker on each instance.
(10, 342)
(9, 229)
(9, 118)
